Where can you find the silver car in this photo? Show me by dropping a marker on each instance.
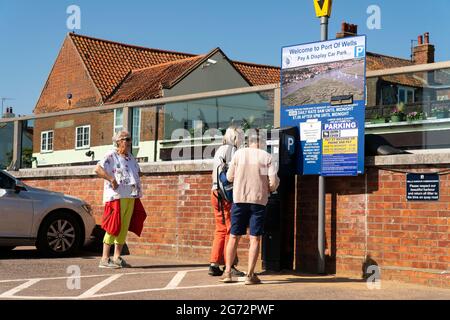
(55, 223)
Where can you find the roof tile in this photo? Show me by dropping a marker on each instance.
(147, 83)
(109, 63)
(123, 72)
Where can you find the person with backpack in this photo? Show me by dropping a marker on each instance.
(254, 176)
(221, 202)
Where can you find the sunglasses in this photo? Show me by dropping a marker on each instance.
(126, 139)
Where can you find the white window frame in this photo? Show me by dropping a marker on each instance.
(406, 89)
(136, 136)
(84, 146)
(47, 150)
(117, 127)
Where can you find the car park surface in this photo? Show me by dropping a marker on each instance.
(25, 275)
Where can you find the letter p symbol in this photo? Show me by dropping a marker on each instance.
(290, 144)
(360, 52)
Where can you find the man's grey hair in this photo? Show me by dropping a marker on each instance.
(234, 136)
(119, 135)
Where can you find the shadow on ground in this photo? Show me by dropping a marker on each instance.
(310, 278)
(181, 265)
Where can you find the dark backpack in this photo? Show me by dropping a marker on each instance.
(224, 187)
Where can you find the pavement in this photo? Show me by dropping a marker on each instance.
(24, 275)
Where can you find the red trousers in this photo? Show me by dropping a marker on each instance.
(222, 232)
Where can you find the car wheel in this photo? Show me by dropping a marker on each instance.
(59, 235)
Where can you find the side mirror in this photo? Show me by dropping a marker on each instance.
(19, 186)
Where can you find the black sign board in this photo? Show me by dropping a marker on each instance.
(422, 187)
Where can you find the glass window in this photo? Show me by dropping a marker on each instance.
(46, 141)
(118, 120)
(406, 95)
(83, 137)
(6, 144)
(419, 118)
(410, 96)
(27, 144)
(136, 126)
(253, 110)
(6, 182)
(401, 95)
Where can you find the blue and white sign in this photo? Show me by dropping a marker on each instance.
(323, 94)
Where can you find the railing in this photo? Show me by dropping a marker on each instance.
(425, 89)
(153, 144)
(21, 133)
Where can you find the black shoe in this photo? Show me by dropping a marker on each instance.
(215, 271)
(236, 273)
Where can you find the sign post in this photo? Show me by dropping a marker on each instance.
(323, 94)
(323, 10)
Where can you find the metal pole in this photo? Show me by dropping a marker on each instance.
(16, 162)
(324, 28)
(321, 204)
(321, 226)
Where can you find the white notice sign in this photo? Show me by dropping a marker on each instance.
(311, 131)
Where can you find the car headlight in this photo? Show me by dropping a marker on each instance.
(87, 208)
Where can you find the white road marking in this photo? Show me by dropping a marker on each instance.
(137, 291)
(92, 291)
(176, 280)
(99, 275)
(164, 289)
(17, 289)
(38, 298)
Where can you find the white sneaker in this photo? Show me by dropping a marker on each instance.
(107, 264)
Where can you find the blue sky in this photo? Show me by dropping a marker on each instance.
(31, 32)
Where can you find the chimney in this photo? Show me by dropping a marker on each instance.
(427, 37)
(9, 113)
(347, 30)
(424, 52)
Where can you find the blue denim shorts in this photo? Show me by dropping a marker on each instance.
(244, 215)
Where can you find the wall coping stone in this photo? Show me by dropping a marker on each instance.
(409, 160)
(187, 166)
(201, 166)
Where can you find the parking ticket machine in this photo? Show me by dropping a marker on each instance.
(278, 238)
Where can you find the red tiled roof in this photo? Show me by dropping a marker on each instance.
(377, 61)
(108, 63)
(123, 72)
(145, 84)
(258, 74)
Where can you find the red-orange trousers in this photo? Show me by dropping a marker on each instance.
(222, 231)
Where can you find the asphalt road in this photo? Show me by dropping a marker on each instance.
(26, 276)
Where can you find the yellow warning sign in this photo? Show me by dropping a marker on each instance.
(323, 8)
(340, 146)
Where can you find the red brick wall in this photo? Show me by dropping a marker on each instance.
(64, 138)
(403, 237)
(68, 75)
(180, 222)
(101, 123)
(409, 241)
(424, 54)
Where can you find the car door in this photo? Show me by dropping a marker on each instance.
(16, 210)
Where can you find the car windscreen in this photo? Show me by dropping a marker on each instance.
(6, 182)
